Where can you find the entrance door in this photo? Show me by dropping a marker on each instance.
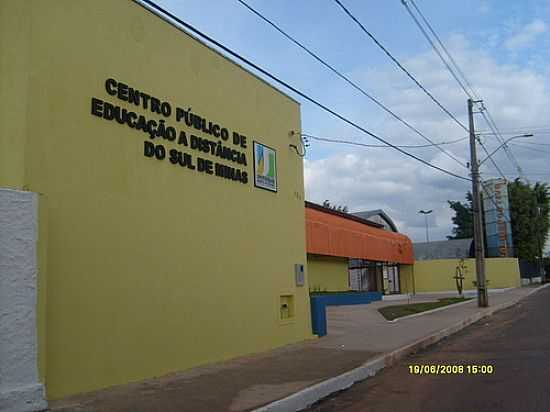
(373, 276)
(393, 279)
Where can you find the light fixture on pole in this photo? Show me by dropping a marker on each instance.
(504, 144)
(426, 213)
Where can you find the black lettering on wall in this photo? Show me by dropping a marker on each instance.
(218, 142)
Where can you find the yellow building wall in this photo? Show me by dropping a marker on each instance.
(502, 273)
(406, 278)
(150, 267)
(438, 275)
(327, 274)
(14, 60)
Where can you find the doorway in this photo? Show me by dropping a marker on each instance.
(392, 273)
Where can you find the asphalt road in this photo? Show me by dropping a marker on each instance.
(515, 342)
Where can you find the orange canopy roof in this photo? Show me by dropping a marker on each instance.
(338, 234)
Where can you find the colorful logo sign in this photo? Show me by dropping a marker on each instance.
(265, 167)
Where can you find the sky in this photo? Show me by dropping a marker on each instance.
(502, 46)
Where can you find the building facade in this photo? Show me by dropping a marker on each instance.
(171, 207)
(376, 275)
(348, 252)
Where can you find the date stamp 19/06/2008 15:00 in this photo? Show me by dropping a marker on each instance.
(442, 369)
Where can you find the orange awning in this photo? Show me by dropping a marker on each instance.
(338, 234)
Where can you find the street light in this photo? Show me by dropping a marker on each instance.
(504, 144)
(426, 213)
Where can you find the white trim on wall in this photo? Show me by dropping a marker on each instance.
(20, 389)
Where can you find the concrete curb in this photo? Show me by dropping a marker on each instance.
(466, 292)
(306, 397)
(427, 312)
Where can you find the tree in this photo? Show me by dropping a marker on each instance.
(463, 218)
(529, 210)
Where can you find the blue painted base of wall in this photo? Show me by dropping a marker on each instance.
(321, 301)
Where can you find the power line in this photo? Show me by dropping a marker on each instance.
(488, 118)
(292, 88)
(346, 79)
(492, 125)
(350, 142)
(329, 140)
(442, 45)
(371, 36)
(490, 133)
(490, 157)
(424, 89)
(404, 2)
(456, 78)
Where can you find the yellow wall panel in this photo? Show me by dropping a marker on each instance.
(438, 275)
(406, 277)
(327, 273)
(502, 273)
(15, 61)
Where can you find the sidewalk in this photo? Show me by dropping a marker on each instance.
(359, 342)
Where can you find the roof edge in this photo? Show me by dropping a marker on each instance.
(384, 215)
(168, 20)
(348, 216)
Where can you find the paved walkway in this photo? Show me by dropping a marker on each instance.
(514, 342)
(362, 326)
(355, 335)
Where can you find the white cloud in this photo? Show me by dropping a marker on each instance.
(527, 36)
(373, 178)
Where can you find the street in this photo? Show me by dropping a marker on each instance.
(515, 342)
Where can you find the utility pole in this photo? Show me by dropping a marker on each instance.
(482, 296)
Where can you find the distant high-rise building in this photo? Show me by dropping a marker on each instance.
(498, 229)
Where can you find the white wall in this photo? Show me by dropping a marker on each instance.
(19, 386)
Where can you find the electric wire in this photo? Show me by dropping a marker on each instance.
(404, 2)
(351, 142)
(490, 157)
(329, 140)
(386, 51)
(492, 125)
(292, 88)
(472, 95)
(441, 44)
(347, 80)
